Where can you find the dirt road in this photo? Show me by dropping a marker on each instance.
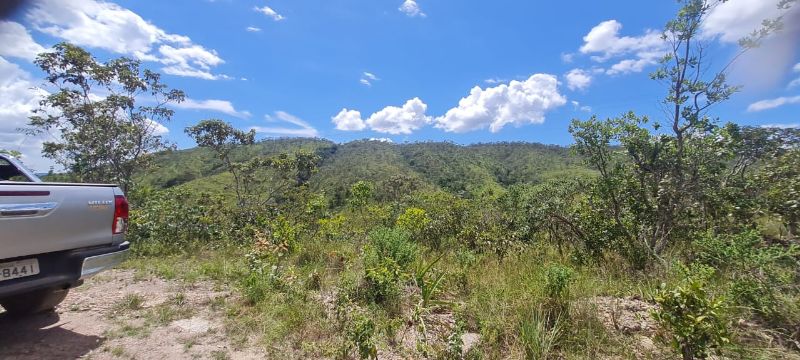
(118, 315)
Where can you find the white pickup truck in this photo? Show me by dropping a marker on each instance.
(53, 236)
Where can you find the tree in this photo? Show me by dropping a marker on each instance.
(103, 134)
(260, 181)
(222, 137)
(660, 186)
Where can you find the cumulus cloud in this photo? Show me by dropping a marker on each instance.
(222, 106)
(349, 120)
(269, 12)
(108, 26)
(302, 129)
(411, 8)
(578, 79)
(603, 42)
(193, 60)
(253, 29)
(773, 103)
(517, 103)
(17, 42)
(18, 97)
(400, 120)
(391, 119)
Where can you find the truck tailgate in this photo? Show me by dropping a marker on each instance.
(42, 218)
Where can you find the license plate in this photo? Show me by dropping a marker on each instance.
(18, 269)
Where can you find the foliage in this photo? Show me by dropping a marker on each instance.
(361, 333)
(413, 220)
(782, 196)
(361, 193)
(757, 273)
(694, 321)
(173, 220)
(540, 335)
(222, 137)
(556, 289)
(429, 282)
(388, 257)
(11, 153)
(101, 139)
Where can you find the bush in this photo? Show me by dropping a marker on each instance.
(172, 220)
(387, 259)
(413, 220)
(556, 288)
(690, 318)
(758, 273)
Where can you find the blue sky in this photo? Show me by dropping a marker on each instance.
(402, 70)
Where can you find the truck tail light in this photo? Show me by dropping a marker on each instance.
(120, 223)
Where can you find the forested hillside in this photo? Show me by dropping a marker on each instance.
(647, 238)
(463, 170)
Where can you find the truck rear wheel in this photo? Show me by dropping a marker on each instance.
(34, 301)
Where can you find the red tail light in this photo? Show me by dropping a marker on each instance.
(120, 223)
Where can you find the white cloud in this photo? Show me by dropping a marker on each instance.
(349, 120)
(411, 8)
(733, 20)
(367, 78)
(157, 128)
(578, 79)
(222, 106)
(795, 82)
(268, 11)
(253, 29)
(108, 26)
(518, 103)
(577, 106)
(193, 60)
(400, 120)
(773, 103)
(17, 41)
(494, 81)
(567, 57)
(603, 43)
(781, 126)
(18, 97)
(383, 139)
(303, 128)
(391, 119)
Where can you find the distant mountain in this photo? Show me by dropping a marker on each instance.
(465, 170)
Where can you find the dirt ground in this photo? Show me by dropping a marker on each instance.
(117, 315)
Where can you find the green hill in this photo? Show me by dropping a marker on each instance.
(465, 170)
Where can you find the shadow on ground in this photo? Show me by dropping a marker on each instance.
(42, 336)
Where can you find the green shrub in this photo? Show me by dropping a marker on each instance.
(413, 220)
(361, 334)
(557, 281)
(692, 320)
(758, 273)
(172, 220)
(387, 260)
